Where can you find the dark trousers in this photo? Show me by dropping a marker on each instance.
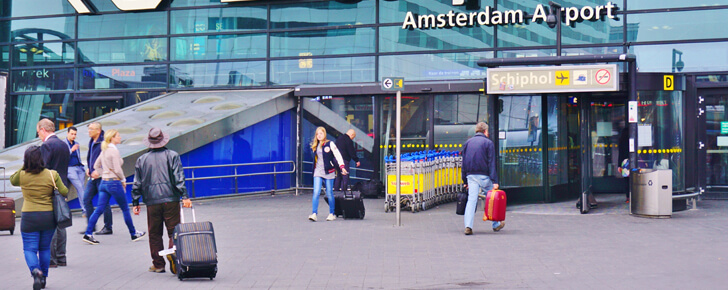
(159, 216)
(342, 181)
(92, 189)
(58, 246)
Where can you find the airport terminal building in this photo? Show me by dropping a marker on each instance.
(322, 63)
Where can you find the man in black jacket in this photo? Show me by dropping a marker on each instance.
(56, 156)
(346, 146)
(479, 171)
(159, 179)
(96, 136)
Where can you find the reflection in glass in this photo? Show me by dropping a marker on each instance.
(322, 42)
(45, 29)
(441, 66)
(42, 79)
(21, 8)
(661, 114)
(520, 151)
(395, 11)
(219, 19)
(126, 50)
(414, 124)
(28, 109)
(123, 24)
(660, 4)
(696, 57)
(224, 74)
(456, 116)
(323, 13)
(322, 70)
(703, 24)
(212, 47)
(43, 54)
(4, 56)
(124, 77)
(396, 39)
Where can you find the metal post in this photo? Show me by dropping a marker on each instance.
(275, 181)
(193, 183)
(558, 32)
(397, 154)
(235, 170)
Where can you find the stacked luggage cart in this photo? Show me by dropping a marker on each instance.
(429, 178)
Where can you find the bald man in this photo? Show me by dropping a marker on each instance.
(348, 152)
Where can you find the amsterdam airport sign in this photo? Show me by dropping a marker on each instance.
(488, 16)
(553, 79)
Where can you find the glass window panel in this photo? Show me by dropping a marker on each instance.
(663, 26)
(4, 56)
(42, 79)
(43, 54)
(219, 47)
(123, 24)
(717, 156)
(42, 29)
(661, 4)
(395, 11)
(123, 77)
(223, 74)
(533, 34)
(662, 111)
(186, 3)
(414, 123)
(322, 42)
(104, 5)
(322, 71)
(324, 13)
(28, 109)
(219, 19)
(21, 8)
(456, 116)
(126, 50)
(520, 156)
(396, 39)
(526, 53)
(562, 140)
(695, 57)
(442, 66)
(592, 50)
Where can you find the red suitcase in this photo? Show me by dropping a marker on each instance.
(7, 211)
(495, 206)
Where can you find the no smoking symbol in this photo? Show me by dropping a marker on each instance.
(603, 76)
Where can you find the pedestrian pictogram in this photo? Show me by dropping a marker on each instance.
(603, 76)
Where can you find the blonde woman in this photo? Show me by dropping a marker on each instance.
(326, 159)
(113, 184)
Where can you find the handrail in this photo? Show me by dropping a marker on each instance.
(236, 175)
(350, 169)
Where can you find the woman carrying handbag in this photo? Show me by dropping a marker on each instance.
(38, 222)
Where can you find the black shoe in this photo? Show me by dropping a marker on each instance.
(43, 282)
(104, 231)
(53, 265)
(468, 231)
(90, 240)
(37, 275)
(62, 264)
(138, 236)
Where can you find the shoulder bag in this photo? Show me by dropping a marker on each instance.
(61, 211)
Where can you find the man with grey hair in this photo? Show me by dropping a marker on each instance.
(479, 171)
(96, 136)
(345, 144)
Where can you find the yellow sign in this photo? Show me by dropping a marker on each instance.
(305, 62)
(669, 82)
(562, 77)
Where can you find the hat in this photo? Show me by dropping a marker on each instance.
(156, 139)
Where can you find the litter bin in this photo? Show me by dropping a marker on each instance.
(651, 193)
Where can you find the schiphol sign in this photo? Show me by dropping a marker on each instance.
(489, 16)
(553, 79)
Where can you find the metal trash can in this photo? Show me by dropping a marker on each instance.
(651, 193)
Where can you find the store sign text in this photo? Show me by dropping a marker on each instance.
(490, 16)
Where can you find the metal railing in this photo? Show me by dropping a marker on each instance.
(275, 173)
(351, 170)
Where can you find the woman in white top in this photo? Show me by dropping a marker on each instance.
(113, 184)
(326, 159)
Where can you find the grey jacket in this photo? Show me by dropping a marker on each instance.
(158, 177)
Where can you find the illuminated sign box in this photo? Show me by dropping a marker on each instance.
(552, 79)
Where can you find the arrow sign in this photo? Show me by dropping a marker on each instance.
(393, 84)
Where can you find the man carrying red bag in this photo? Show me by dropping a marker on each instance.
(479, 171)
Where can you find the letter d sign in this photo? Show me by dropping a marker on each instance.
(669, 82)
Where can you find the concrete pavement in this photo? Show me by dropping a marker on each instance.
(267, 243)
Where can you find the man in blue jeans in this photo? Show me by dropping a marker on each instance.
(76, 173)
(478, 172)
(94, 181)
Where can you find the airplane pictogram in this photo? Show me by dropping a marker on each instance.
(562, 78)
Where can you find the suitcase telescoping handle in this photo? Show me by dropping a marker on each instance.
(4, 178)
(182, 214)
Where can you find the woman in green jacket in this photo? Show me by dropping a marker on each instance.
(37, 223)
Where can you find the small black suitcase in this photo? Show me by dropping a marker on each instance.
(7, 211)
(462, 201)
(196, 250)
(338, 195)
(351, 204)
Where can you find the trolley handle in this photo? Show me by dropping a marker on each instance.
(182, 214)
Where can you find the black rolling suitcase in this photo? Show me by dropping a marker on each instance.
(196, 250)
(462, 201)
(7, 211)
(338, 195)
(351, 204)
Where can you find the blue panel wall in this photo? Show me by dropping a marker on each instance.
(273, 139)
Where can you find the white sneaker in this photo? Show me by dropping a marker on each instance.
(331, 217)
(312, 217)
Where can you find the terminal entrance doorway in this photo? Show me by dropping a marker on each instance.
(554, 147)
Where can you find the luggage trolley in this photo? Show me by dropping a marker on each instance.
(407, 181)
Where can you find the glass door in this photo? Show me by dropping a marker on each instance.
(716, 163)
(87, 109)
(608, 141)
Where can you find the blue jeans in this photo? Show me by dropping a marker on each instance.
(77, 176)
(92, 189)
(37, 249)
(475, 183)
(317, 192)
(107, 190)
